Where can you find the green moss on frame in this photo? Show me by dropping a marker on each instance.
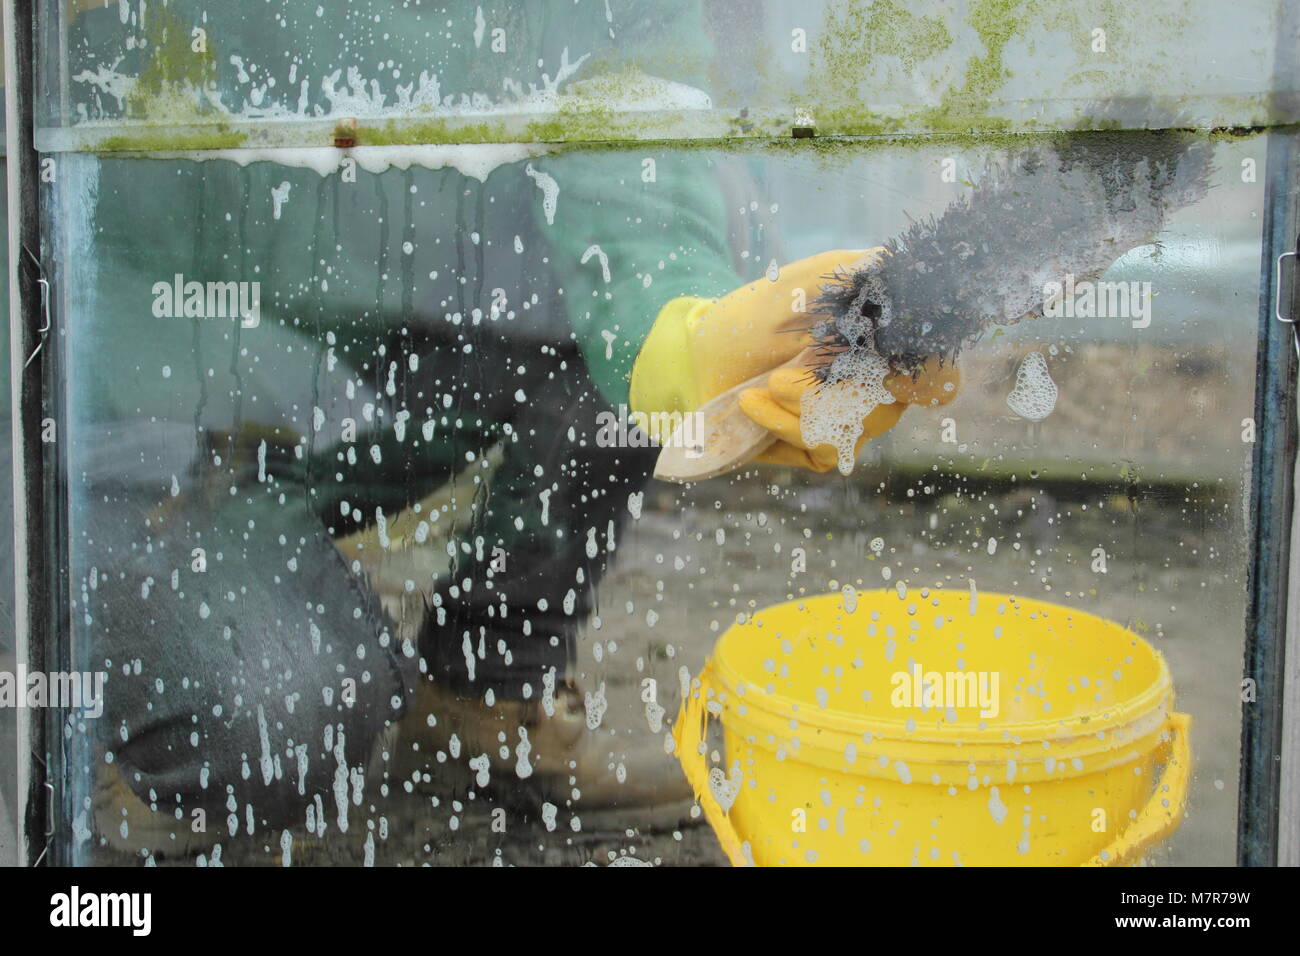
(150, 140)
(173, 82)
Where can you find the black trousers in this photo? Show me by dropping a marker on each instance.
(542, 529)
(251, 668)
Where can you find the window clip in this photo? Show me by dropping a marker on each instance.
(45, 304)
(804, 125)
(49, 807)
(1277, 301)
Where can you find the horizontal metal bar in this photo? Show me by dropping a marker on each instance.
(583, 122)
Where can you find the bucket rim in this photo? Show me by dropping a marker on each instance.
(1111, 718)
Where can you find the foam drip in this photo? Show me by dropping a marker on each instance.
(1034, 394)
(833, 412)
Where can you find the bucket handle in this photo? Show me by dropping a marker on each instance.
(1164, 809)
(689, 739)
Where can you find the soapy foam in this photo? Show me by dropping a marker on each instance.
(832, 413)
(550, 191)
(477, 160)
(1034, 394)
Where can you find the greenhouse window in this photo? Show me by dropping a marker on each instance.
(850, 433)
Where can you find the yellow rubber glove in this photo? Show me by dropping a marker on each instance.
(776, 407)
(699, 348)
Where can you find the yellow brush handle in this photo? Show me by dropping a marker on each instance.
(689, 738)
(1160, 816)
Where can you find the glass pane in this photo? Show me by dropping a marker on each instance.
(188, 73)
(335, 430)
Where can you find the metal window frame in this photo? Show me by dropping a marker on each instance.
(1269, 780)
(32, 598)
(1266, 809)
(1272, 581)
(1288, 809)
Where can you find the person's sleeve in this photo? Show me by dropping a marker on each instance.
(626, 248)
(638, 232)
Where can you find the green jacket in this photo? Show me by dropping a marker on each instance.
(352, 274)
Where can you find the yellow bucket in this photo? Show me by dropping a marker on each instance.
(893, 728)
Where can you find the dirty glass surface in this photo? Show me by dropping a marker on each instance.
(358, 303)
(386, 462)
(120, 74)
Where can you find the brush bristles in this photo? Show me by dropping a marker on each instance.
(1069, 209)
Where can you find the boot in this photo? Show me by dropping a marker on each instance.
(528, 753)
(130, 826)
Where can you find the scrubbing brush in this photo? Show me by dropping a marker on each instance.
(1072, 209)
(1068, 208)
